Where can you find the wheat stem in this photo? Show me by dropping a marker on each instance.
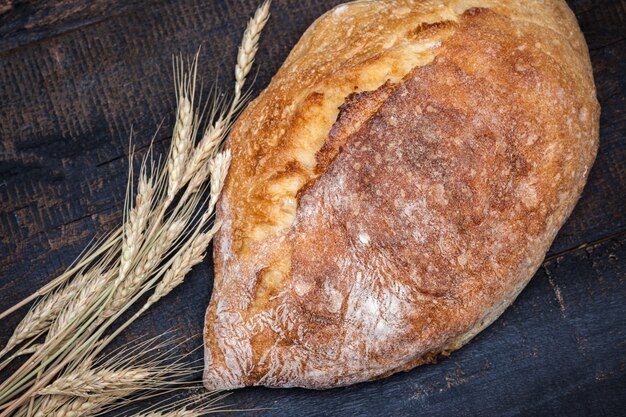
(39, 318)
(43, 360)
(183, 412)
(87, 258)
(189, 407)
(134, 230)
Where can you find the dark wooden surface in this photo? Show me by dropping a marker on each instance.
(77, 75)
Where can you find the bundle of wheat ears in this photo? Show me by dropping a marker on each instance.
(168, 224)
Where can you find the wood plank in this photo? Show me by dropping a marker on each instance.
(23, 22)
(602, 21)
(78, 76)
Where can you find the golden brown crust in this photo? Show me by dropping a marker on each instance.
(395, 187)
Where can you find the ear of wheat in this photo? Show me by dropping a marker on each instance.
(134, 372)
(166, 230)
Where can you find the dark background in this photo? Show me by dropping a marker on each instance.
(76, 76)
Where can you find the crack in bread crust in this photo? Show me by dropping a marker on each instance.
(367, 230)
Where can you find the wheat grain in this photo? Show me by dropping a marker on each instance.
(190, 255)
(218, 168)
(99, 382)
(134, 229)
(134, 226)
(81, 407)
(215, 134)
(90, 254)
(90, 288)
(65, 406)
(206, 148)
(45, 312)
(181, 143)
(132, 369)
(35, 322)
(249, 47)
(49, 404)
(196, 171)
(159, 247)
(199, 178)
(39, 318)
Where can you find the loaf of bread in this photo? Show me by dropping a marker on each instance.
(395, 187)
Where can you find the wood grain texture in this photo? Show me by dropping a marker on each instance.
(77, 76)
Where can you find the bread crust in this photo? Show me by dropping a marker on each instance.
(395, 187)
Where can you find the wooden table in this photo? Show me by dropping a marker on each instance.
(76, 76)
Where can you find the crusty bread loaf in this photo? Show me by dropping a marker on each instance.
(395, 187)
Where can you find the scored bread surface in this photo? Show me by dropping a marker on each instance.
(395, 187)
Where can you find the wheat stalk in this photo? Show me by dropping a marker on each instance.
(40, 317)
(88, 256)
(183, 131)
(128, 371)
(192, 254)
(137, 219)
(161, 245)
(67, 406)
(218, 168)
(135, 368)
(90, 287)
(50, 404)
(249, 47)
(97, 382)
(161, 239)
(134, 272)
(36, 321)
(81, 407)
(208, 145)
(216, 132)
(134, 230)
(181, 141)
